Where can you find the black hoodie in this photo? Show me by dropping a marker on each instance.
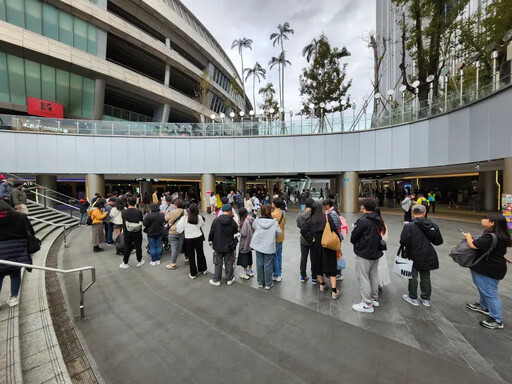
(221, 233)
(417, 237)
(365, 236)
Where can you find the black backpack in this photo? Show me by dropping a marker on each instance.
(465, 256)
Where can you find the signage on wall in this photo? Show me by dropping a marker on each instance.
(45, 108)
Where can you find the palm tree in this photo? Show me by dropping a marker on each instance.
(278, 38)
(242, 43)
(272, 63)
(310, 50)
(257, 72)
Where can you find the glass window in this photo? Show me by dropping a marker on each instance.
(33, 78)
(88, 98)
(14, 11)
(65, 28)
(75, 95)
(48, 83)
(50, 22)
(80, 34)
(2, 10)
(33, 15)
(63, 88)
(16, 71)
(91, 39)
(4, 79)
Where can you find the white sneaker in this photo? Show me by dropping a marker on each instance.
(244, 276)
(279, 279)
(215, 283)
(140, 263)
(157, 262)
(375, 303)
(13, 301)
(123, 265)
(274, 277)
(339, 277)
(414, 302)
(426, 303)
(153, 263)
(204, 272)
(192, 277)
(363, 307)
(231, 281)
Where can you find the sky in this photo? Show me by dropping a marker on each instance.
(343, 21)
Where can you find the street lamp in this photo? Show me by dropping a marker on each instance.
(301, 107)
(430, 81)
(416, 85)
(476, 60)
(242, 114)
(402, 89)
(322, 106)
(251, 113)
(291, 116)
(212, 116)
(222, 117)
(460, 69)
(271, 111)
(390, 93)
(232, 115)
(311, 108)
(343, 102)
(353, 102)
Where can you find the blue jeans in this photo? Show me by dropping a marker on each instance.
(264, 268)
(15, 280)
(110, 232)
(155, 247)
(489, 299)
(278, 259)
(83, 218)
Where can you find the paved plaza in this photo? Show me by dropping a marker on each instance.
(149, 324)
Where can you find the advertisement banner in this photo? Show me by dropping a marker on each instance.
(45, 108)
(506, 208)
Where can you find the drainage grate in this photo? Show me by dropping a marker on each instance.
(75, 358)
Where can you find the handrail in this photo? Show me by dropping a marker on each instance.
(66, 245)
(80, 277)
(11, 175)
(57, 201)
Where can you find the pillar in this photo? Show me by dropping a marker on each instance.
(281, 185)
(161, 113)
(207, 186)
(241, 183)
(488, 190)
(348, 192)
(74, 189)
(507, 175)
(50, 182)
(270, 187)
(94, 183)
(146, 186)
(99, 99)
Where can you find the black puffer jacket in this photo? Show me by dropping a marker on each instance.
(14, 229)
(222, 232)
(365, 236)
(154, 224)
(417, 238)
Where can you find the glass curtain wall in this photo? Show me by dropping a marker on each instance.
(46, 20)
(21, 78)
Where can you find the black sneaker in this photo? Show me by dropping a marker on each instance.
(477, 308)
(491, 324)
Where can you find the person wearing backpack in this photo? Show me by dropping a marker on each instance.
(490, 269)
(422, 200)
(417, 238)
(132, 229)
(280, 216)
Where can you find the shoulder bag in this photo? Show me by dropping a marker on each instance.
(382, 243)
(330, 238)
(465, 256)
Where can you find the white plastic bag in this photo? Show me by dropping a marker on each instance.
(402, 267)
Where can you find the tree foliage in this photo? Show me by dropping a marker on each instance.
(257, 72)
(202, 92)
(323, 80)
(268, 94)
(283, 30)
(242, 43)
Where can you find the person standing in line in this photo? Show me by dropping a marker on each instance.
(191, 225)
(6, 189)
(266, 230)
(231, 198)
(366, 240)
(97, 216)
(14, 231)
(488, 272)
(132, 229)
(417, 238)
(256, 203)
(154, 198)
(19, 198)
(383, 267)
(175, 239)
(116, 218)
(248, 205)
(341, 226)
(302, 200)
(244, 250)
(407, 204)
(222, 240)
(280, 216)
(146, 202)
(432, 200)
(107, 223)
(84, 206)
(213, 203)
(305, 245)
(154, 227)
(389, 197)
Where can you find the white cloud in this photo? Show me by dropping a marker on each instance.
(343, 21)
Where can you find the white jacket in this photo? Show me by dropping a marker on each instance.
(115, 216)
(192, 231)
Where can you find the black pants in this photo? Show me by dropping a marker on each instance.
(408, 216)
(304, 252)
(132, 240)
(193, 248)
(433, 205)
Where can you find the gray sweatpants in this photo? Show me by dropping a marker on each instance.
(368, 276)
(227, 259)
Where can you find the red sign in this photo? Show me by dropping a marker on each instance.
(45, 108)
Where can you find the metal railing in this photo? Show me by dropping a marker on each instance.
(80, 278)
(65, 227)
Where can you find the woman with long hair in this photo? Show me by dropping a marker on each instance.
(115, 215)
(213, 203)
(382, 267)
(490, 269)
(192, 225)
(323, 260)
(244, 249)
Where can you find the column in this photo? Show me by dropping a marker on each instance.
(94, 183)
(241, 183)
(50, 182)
(507, 175)
(146, 186)
(207, 186)
(161, 113)
(270, 187)
(281, 185)
(99, 99)
(348, 191)
(488, 190)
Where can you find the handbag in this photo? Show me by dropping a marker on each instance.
(382, 243)
(465, 256)
(330, 239)
(33, 244)
(402, 266)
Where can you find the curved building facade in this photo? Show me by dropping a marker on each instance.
(149, 60)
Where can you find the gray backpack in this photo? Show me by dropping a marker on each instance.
(465, 256)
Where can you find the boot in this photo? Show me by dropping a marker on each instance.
(97, 248)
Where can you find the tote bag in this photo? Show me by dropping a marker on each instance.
(330, 239)
(402, 266)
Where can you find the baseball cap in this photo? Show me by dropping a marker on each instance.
(2, 177)
(226, 208)
(418, 208)
(17, 183)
